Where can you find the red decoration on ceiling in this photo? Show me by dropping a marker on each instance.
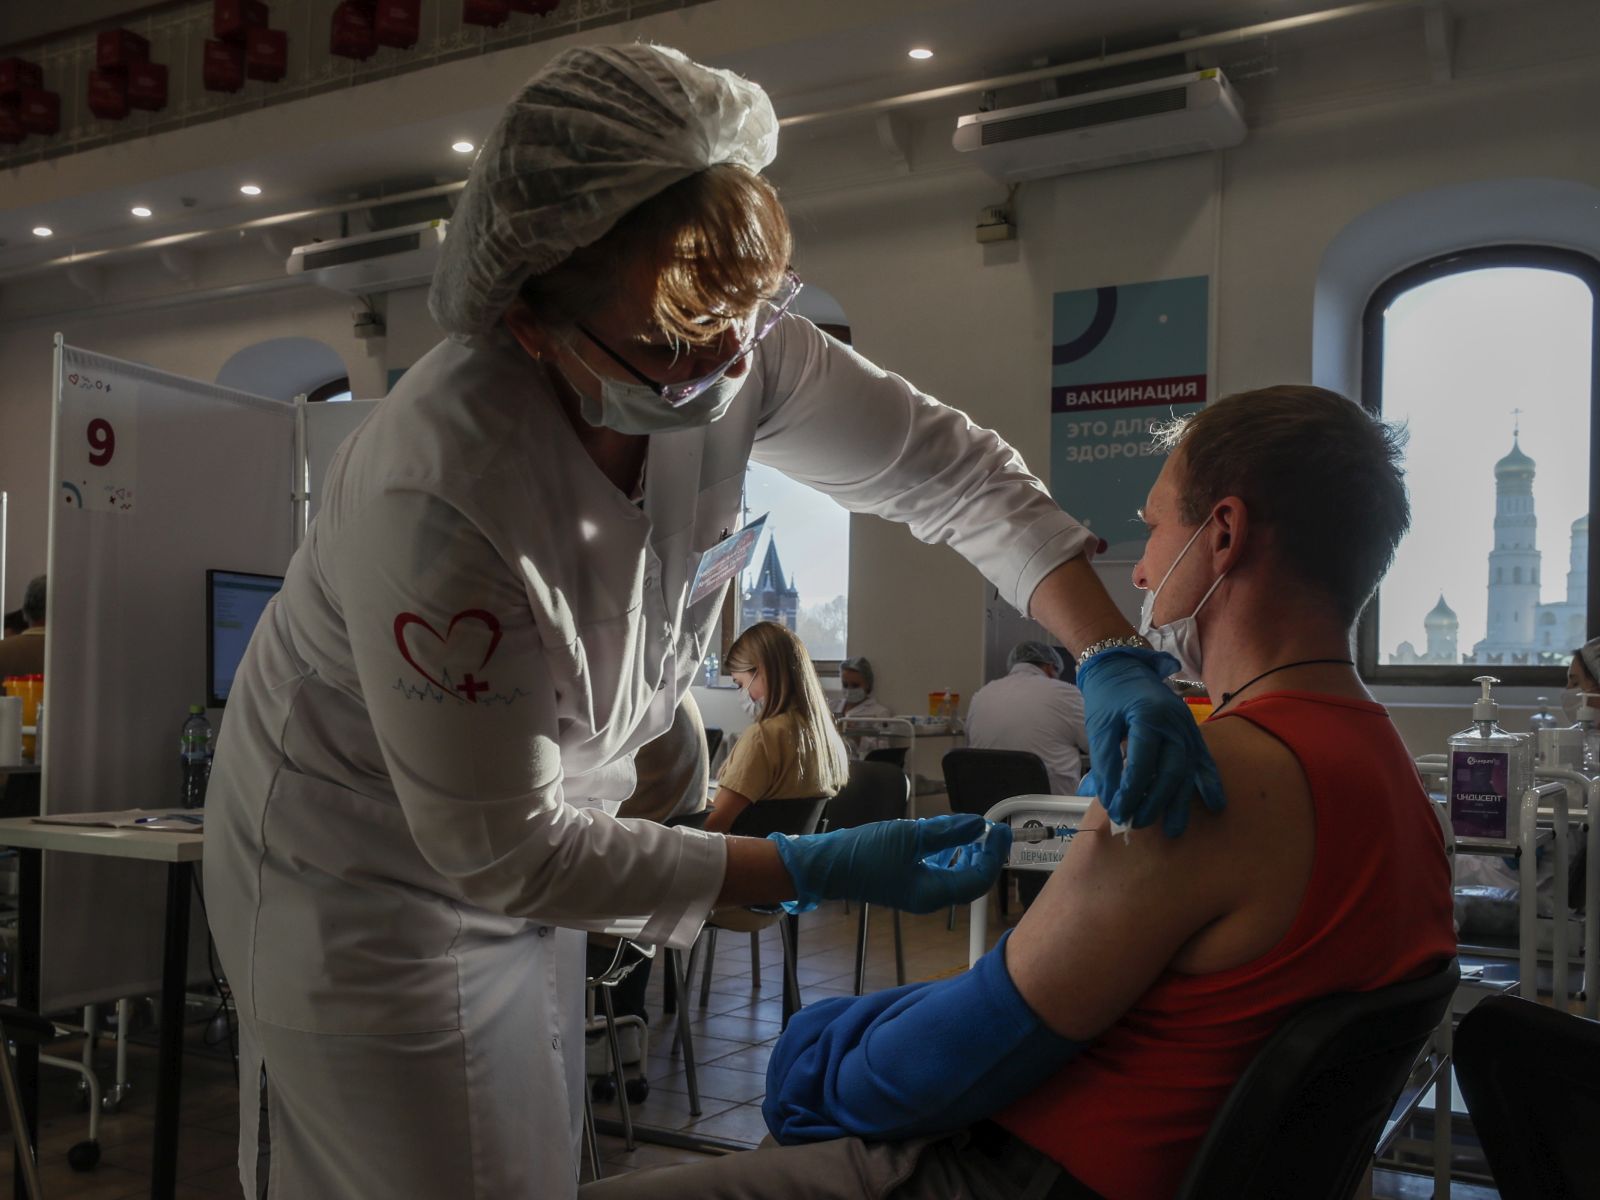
(485, 12)
(354, 34)
(108, 95)
(118, 49)
(232, 20)
(147, 86)
(266, 54)
(536, 8)
(16, 74)
(40, 111)
(222, 66)
(11, 130)
(398, 23)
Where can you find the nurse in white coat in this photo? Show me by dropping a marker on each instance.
(408, 825)
(857, 701)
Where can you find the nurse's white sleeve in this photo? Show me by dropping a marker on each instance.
(453, 675)
(866, 437)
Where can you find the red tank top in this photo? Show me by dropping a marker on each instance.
(1127, 1115)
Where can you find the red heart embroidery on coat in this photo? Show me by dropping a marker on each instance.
(469, 686)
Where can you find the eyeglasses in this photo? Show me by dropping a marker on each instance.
(678, 394)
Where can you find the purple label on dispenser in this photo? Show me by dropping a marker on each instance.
(1478, 799)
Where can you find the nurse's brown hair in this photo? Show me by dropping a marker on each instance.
(793, 687)
(710, 247)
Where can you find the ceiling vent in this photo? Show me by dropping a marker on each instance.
(1160, 118)
(372, 262)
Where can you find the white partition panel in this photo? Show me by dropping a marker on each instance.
(327, 426)
(156, 478)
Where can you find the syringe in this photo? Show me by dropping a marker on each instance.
(1033, 834)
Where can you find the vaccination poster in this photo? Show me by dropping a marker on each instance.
(1121, 357)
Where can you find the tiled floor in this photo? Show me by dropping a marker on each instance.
(733, 1032)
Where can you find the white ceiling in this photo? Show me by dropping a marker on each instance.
(397, 132)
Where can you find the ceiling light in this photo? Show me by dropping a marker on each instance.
(250, 189)
(462, 147)
(920, 52)
(42, 231)
(140, 210)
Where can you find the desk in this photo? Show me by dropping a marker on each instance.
(180, 851)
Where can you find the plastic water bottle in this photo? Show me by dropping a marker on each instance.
(194, 756)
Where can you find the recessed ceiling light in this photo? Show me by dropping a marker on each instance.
(42, 231)
(140, 210)
(920, 52)
(462, 147)
(250, 189)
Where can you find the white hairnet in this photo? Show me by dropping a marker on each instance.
(1037, 653)
(597, 132)
(862, 667)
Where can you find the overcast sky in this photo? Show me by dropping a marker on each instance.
(1460, 354)
(813, 534)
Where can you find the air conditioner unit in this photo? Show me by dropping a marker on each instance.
(373, 262)
(1183, 114)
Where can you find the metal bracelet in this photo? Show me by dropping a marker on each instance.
(1127, 641)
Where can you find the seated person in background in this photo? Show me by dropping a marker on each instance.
(1031, 708)
(792, 750)
(23, 653)
(1583, 672)
(15, 623)
(1087, 1054)
(856, 700)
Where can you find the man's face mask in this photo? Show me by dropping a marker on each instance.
(1180, 638)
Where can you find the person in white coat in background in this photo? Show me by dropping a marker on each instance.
(1032, 708)
(857, 702)
(494, 609)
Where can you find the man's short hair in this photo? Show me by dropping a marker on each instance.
(1317, 469)
(33, 601)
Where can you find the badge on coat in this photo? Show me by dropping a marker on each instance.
(726, 559)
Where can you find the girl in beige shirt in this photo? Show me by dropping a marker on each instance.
(792, 751)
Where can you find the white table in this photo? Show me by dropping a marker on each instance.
(180, 851)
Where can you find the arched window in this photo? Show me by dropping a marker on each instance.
(334, 389)
(1491, 359)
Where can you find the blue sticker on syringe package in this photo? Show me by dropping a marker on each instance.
(1478, 793)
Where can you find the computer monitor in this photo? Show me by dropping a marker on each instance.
(234, 603)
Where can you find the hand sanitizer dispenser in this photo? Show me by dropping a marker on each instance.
(1489, 771)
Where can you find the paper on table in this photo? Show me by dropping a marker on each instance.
(160, 819)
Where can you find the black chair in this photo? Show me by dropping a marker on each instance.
(28, 1029)
(1304, 1118)
(876, 791)
(1531, 1079)
(895, 756)
(764, 817)
(977, 780)
(713, 742)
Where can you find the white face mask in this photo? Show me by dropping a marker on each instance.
(1180, 638)
(751, 705)
(854, 695)
(635, 408)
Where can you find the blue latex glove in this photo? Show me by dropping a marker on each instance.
(907, 865)
(1124, 697)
